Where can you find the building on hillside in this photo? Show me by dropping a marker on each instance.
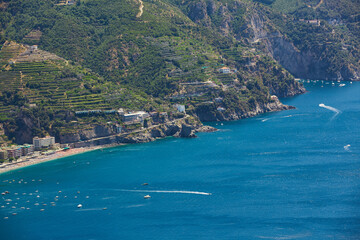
(218, 100)
(224, 70)
(221, 109)
(180, 108)
(2, 132)
(136, 116)
(43, 142)
(117, 128)
(121, 112)
(313, 22)
(14, 152)
(3, 154)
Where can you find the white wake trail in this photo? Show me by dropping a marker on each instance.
(162, 191)
(336, 111)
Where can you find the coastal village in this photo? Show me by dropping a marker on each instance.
(47, 145)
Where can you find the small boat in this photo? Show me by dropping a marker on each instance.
(79, 206)
(145, 184)
(342, 85)
(147, 196)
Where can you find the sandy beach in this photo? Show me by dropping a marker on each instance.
(24, 162)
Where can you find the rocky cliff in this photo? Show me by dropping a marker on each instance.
(273, 106)
(97, 131)
(302, 64)
(185, 128)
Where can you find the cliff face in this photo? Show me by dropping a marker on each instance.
(251, 24)
(184, 128)
(83, 135)
(302, 64)
(100, 135)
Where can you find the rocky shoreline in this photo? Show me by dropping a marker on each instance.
(274, 106)
(186, 127)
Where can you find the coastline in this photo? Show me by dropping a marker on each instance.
(22, 163)
(47, 158)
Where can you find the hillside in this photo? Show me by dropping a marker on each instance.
(149, 55)
(311, 39)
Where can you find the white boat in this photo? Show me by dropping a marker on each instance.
(147, 196)
(79, 206)
(342, 85)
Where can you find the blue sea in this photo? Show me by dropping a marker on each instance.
(286, 175)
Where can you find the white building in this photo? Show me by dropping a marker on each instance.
(43, 142)
(224, 70)
(180, 108)
(136, 116)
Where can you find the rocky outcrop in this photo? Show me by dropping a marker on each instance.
(273, 106)
(100, 135)
(184, 128)
(97, 131)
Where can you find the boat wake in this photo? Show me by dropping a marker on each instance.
(347, 147)
(163, 191)
(336, 111)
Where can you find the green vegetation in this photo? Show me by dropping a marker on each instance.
(110, 59)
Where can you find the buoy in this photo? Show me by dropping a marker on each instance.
(79, 206)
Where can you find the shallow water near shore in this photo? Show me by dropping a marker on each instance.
(285, 175)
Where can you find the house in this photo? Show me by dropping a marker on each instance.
(43, 142)
(180, 108)
(221, 109)
(224, 70)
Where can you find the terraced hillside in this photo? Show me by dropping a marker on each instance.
(53, 83)
(103, 54)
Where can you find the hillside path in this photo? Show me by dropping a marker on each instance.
(319, 4)
(141, 9)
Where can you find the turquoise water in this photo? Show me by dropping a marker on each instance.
(282, 175)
